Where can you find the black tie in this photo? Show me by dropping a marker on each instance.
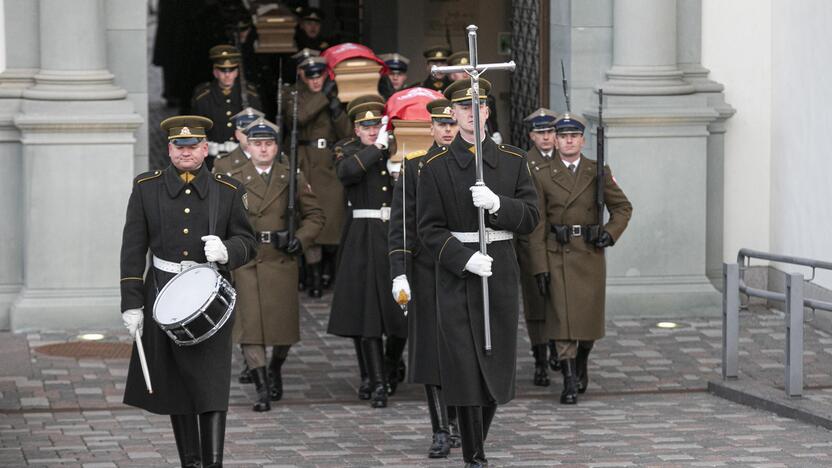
(571, 168)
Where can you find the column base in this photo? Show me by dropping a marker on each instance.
(14, 81)
(8, 294)
(73, 85)
(646, 81)
(66, 309)
(663, 297)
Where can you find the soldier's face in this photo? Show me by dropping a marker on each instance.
(188, 158)
(311, 28)
(438, 63)
(459, 76)
(443, 133)
(226, 76)
(367, 134)
(314, 84)
(569, 144)
(464, 116)
(241, 137)
(544, 141)
(262, 152)
(397, 78)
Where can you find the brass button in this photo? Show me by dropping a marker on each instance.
(384, 189)
(185, 253)
(187, 210)
(383, 172)
(567, 251)
(228, 101)
(227, 112)
(187, 191)
(229, 124)
(185, 231)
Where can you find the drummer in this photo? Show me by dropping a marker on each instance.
(168, 214)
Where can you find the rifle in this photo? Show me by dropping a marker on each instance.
(448, 35)
(565, 89)
(241, 74)
(599, 157)
(293, 169)
(279, 116)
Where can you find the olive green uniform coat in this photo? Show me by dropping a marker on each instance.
(575, 306)
(230, 162)
(318, 164)
(267, 287)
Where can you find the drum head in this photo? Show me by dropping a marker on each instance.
(186, 294)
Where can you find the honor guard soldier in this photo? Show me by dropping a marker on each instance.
(447, 206)
(567, 250)
(491, 125)
(225, 164)
(267, 299)
(396, 79)
(222, 98)
(436, 55)
(184, 216)
(362, 306)
(413, 275)
(542, 134)
(308, 34)
(321, 122)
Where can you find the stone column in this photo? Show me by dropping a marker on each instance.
(657, 146)
(77, 131)
(22, 62)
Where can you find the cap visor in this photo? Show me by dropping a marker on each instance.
(185, 141)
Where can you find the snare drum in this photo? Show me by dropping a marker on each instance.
(194, 305)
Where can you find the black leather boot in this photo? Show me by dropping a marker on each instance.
(212, 435)
(441, 444)
(261, 384)
(303, 278)
(375, 367)
(569, 395)
(364, 390)
(244, 377)
(393, 350)
(470, 427)
(186, 434)
(315, 286)
(582, 364)
(453, 426)
(327, 267)
(541, 378)
(488, 413)
(279, 354)
(554, 364)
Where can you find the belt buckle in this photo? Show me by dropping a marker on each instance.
(185, 264)
(265, 237)
(321, 143)
(385, 213)
(576, 230)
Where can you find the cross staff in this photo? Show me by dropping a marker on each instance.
(474, 70)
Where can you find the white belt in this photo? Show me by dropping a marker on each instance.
(173, 267)
(382, 214)
(490, 236)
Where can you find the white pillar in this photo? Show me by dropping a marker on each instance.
(77, 131)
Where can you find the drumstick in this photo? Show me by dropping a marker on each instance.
(143, 362)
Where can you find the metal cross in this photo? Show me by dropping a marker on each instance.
(474, 70)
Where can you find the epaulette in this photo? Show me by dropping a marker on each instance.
(435, 153)
(251, 90)
(228, 181)
(512, 150)
(147, 176)
(340, 145)
(202, 90)
(415, 154)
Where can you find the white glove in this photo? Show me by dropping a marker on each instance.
(215, 250)
(383, 138)
(133, 320)
(497, 137)
(479, 264)
(485, 198)
(393, 168)
(400, 285)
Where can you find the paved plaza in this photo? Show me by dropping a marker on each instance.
(647, 405)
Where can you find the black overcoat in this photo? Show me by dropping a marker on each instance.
(168, 217)
(409, 258)
(470, 377)
(209, 101)
(362, 304)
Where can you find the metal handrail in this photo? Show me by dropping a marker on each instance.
(794, 299)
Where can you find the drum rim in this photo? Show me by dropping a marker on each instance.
(190, 318)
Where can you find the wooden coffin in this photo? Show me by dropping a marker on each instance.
(275, 31)
(410, 135)
(356, 77)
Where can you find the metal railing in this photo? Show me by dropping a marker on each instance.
(733, 276)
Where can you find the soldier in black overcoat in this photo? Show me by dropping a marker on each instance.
(168, 214)
(447, 205)
(412, 271)
(361, 305)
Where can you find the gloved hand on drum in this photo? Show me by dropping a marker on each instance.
(479, 264)
(215, 250)
(133, 320)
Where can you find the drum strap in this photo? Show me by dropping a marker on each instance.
(213, 208)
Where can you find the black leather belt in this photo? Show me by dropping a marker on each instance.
(277, 238)
(320, 143)
(566, 232)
